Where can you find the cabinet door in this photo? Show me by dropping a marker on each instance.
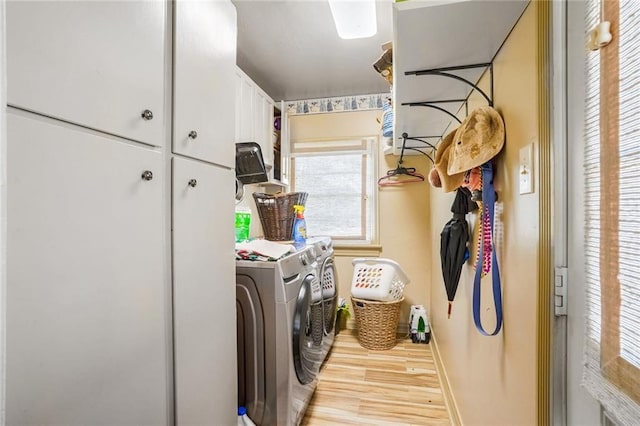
(204, 294)
(285, 150)
(97, 64)
(259, 119)
(87, 319)
(247, 107)
(204, 92)
(238, 104)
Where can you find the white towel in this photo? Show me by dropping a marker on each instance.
(265, 248)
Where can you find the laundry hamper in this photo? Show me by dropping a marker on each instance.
(375, 278)
(376, 322)
(276, 213)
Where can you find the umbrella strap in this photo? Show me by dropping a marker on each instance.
(488, 208)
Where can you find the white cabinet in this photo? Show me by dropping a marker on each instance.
(285, 148)
(87, 312)
(96, 333)
(254, 120)
(244, 105)
(204, 299)
(204, 67)
(97, 64)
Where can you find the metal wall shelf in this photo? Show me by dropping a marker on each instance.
(437, 67)
(433, 104)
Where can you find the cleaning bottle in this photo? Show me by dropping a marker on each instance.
(299, 228)
(243, 418)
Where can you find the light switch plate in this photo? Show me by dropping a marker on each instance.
(525, 169)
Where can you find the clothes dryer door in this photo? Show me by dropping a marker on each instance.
(304, 353)
(329, 281)
(251, 350)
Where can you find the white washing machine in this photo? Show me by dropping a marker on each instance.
(278, 360)
(328, 277)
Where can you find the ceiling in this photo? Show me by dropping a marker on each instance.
(292, 51)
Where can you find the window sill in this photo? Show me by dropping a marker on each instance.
(356, 250)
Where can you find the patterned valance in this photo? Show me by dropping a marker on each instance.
(337, 104)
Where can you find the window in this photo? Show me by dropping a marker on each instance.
(339, 177)
(612, 204)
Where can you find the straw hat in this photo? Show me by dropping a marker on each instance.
(479, 138)
(439, 177)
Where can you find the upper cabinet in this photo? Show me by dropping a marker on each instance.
(425, 40)
(254, 117)
(64, 63)
(204, 94)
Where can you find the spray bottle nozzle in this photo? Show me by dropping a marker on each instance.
(298, 209)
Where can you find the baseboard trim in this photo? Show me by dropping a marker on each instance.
(449, 400)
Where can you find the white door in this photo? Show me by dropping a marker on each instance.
(204, 294)
(204, 71)
(97, 64)
(238, 89)
(247, 111)
(285, 151)
(259, 120)
(581, 408)
(87, 316)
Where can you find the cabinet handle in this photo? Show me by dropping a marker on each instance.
(193, 134)
(193, 183)
(147, 175)
(147, 114)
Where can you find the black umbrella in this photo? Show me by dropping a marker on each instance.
(453, 243)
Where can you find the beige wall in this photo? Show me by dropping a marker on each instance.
(403, 210)
(493, 379)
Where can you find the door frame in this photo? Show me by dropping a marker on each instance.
(560, 202)
(570, 401)
(3, 208)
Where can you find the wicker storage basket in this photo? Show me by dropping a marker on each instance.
(377, 322)
(329, 307)
(276, 213)
(317, 329)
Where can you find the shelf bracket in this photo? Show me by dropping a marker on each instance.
(430, 105)
(445, 72)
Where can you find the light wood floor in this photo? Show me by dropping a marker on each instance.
(396, 387)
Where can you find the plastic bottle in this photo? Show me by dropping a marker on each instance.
(243, 419)
(299, 228)
(243, 224)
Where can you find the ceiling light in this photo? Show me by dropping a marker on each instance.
(354, 18)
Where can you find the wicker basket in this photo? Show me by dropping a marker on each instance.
(317, 330)
(329, 306)
(377, 322)
(276, 213)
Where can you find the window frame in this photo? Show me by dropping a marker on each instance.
(614, 367)
(367, 146)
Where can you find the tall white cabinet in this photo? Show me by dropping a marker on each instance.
(200, 288)
(120, 263)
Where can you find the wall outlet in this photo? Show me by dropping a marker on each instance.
(525, 169)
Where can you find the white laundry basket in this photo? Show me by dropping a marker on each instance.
(375, 278)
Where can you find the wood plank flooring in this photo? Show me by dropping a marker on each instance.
(396, 387)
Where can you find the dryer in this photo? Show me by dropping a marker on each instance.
(278, 360)
(329, 286)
